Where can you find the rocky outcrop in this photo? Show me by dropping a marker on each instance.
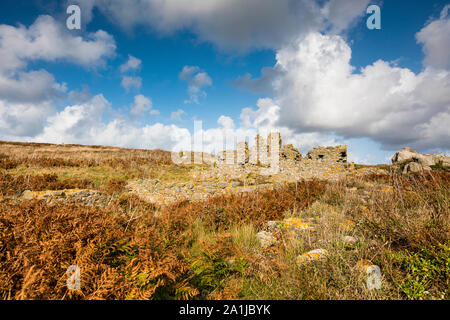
(289, 152)
(404, 156)
(412, 161)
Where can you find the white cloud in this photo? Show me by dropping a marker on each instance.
(197, 80)
(129, 83)
(48, 40)
(132, 64)
(33, 86)
(233, 24)
(341, 13)
(141, 105)
(435, 38)
(176, 115)
(80, 96)
(226, 122)
(23, 119)
(76, 121)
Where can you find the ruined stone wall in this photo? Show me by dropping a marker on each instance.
(261, 145)
(263, 150)
(336, 154)
(290, 153)
(189, 157)
(253, 159)
(242, 153)
(274, 143)
(227, 157)
(274, 146)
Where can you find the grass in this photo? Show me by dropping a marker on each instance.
(209, 249)
(244, 237)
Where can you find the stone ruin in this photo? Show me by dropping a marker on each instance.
(266, 165)
(270, 152)
(330, 154)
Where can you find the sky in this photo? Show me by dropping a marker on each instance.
(145, 73)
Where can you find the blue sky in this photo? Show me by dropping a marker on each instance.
(328, 79)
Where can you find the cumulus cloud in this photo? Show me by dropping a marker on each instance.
(257, 85)
(196, 80)
(23, 119)
(48, 40)
(132, 64)
(435, 38)
(226, 122)
(316, 89)
(232, 24)
(76, 121)
(141, 106)
(176, 115)
(80, 96)
(30, 86)
(129, 83)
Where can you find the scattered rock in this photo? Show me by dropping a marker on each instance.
(313, 255)
(295, 227)
(27, 195)
(274, 226)
(295, 224)
(231, 262)
(347, 225)
(363, 265)
(350, 240)
(266, 239)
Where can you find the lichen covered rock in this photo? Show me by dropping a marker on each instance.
(266, 239)
(313, 255)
